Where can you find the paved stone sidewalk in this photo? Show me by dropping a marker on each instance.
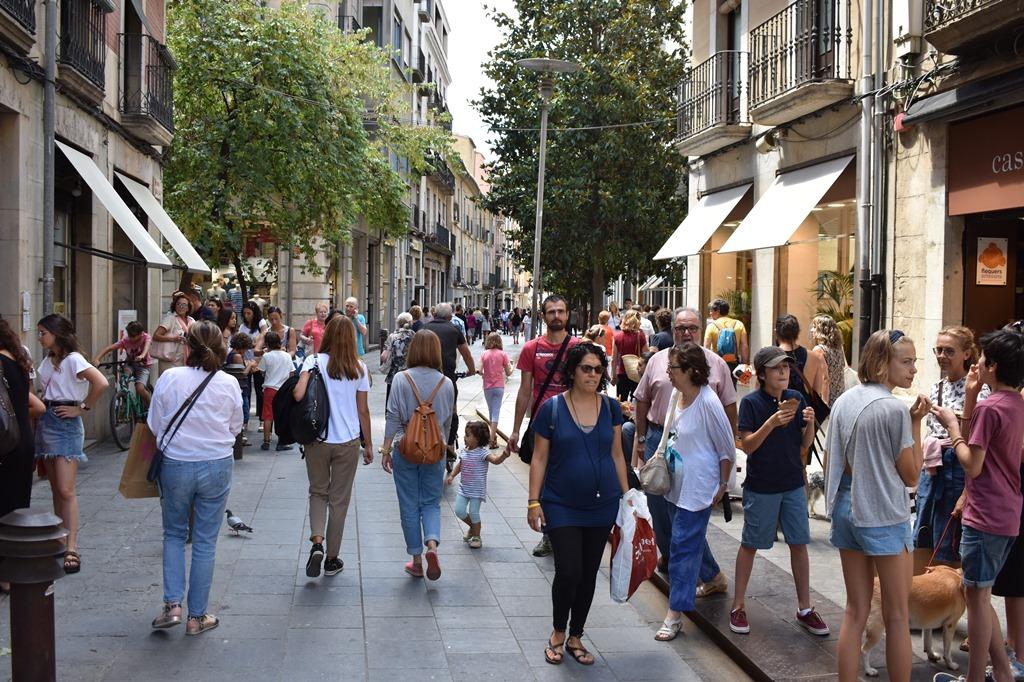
(486, 618)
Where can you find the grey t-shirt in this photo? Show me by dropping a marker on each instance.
(402, 403)
(868, 429)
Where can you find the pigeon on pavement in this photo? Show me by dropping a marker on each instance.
(236, 524)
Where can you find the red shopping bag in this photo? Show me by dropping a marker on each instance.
(634, 552)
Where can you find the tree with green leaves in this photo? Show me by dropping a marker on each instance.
(270, 106)
(613, 189)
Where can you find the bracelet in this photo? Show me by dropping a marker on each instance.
(533, 500)
(957, 441)
(532, 505)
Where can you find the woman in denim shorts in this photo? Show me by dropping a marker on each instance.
(70, 388)
(874, 440)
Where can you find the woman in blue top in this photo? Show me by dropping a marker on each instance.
(577, 476)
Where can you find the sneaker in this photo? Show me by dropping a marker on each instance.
(265, 445)
(259, 429)
(738, 622)
(543, 547)
(813, 623)
(333, 566)
(948, 677)
(316, 556)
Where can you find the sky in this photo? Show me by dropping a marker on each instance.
(473, 35)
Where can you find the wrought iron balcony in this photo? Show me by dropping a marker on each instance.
(18, 23)
(800, 60)
(419, 67)
(147, 87)
(712, 104)
(962, 26)
(442, 174)
(83, 46)
(440, 239)
(347, 23)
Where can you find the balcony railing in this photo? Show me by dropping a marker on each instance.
(23, 11)
(82, 39)
(148, 79)
(713, 93)
(938, 13)
(348, 23)
(442, 173)
(419, 67)
(440, 236)
(807, 42)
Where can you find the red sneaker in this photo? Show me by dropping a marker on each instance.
(738, 622)
(813, 623)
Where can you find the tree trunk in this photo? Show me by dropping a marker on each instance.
(237, 261)
(597, 283)
(185, 283)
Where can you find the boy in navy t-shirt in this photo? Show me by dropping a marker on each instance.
(775, 425)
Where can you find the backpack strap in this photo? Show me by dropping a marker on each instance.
(430, 400)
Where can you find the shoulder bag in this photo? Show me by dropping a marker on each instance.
(172, 428)
(169, 351)
(654, 475)
(526, 444)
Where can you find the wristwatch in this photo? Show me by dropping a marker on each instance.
(641, 438)
(84, 407)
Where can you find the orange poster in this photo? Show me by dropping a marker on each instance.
(992, 261)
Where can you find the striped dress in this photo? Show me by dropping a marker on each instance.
(473, 473)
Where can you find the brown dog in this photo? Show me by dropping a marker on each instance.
(937, 600)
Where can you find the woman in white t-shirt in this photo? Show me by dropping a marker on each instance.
(331, 464)
(169, 336)
(70, 387)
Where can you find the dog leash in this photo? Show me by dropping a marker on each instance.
(941, 538)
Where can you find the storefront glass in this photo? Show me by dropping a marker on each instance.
(727, 276)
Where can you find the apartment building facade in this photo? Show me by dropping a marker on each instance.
(116, 253)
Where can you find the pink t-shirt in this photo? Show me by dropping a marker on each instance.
(994, 498)
(314, 328)
(133, 348)
(538, 357)
(494, 362)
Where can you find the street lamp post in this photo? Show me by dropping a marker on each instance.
(547, 68)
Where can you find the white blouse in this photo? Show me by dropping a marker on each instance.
(703, 438)
(209, 430)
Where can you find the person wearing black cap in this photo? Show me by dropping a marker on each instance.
(775, 423)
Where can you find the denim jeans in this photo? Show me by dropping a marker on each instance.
(204, 486)
(936, 497)
(419, 489)
(688, 547)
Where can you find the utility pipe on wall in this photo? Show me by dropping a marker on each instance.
(49, 147)
(864, 179)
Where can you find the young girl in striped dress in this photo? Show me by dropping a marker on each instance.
(472, 465)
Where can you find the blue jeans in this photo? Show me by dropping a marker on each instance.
(936, 497)
(688, 548)
(419, 489)
(203, 486)
(663, 513)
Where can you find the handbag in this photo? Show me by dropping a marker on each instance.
(654, 475)
(10, 433)
(526, 444)
(168, 351)
(134, 476)
(177, 420)
(309, 417)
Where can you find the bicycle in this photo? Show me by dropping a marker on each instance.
(126, 407)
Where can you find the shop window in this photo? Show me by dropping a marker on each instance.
(728, 275)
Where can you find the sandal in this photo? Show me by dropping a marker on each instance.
(669, 630)
(578, 652)
(72, 562)
(551, 652)
(197, 625)
(166, 619)
(475, 542)
(414, 569)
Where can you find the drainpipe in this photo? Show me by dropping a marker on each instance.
(864, 180)
(878, 176)
(49, 134)
(290, 290)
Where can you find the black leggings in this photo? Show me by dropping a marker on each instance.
(624, 387)
(578, 551)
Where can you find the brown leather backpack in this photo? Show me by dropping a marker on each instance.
(423, 442)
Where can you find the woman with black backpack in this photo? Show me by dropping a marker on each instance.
(338, 375)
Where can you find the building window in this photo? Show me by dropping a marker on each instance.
(373, 19)
(396, 38)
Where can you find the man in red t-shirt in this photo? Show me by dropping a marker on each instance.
(536, 361)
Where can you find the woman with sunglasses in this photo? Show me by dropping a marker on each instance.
(577, 476)
(169, 336)
(942, 478)
(874, 454)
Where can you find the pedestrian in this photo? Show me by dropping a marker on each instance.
(241, 364)
(574, 321)
(17, 466)
(663, 339)
(227, 321)
(331, 464)
(776, 426)
(646, 326)
(495, 369)
(396, 347)
(541, 376)
(991, 456)
(941, 481)
(629, 340)
(417, 318)
(170, 333)
(595, 335)
(471, 328)
(289, 336)
(604, 319)
(700, 475)
(614, 316)
(652, 401)
(276, 366)
(472, 467)
(214, 304)
(358, 321)
(70, 388)
(727, 336)
(577, 477)
(527, 325)
(419, 486)
(313, 330)
(453, 344)
(515, 321)
(253, 324)
(874, 450)
(135, 343)
(828, 346)
(810, 376)
(195, 476)
(1009, 584)
(485, 325)
(505, 314)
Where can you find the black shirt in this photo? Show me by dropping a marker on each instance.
(17, 466)
(662, 340)
(451, 338)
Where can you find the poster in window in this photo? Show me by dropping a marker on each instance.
(992, 261)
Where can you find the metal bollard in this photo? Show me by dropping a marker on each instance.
(31, 545)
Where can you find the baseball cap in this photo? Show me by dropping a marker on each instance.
(770, 356)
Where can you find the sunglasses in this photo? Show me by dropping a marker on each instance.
(590, 369)
(946, 351)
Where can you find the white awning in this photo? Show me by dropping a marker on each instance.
(702, 221)
(118, 210)
(653, 282)
(777, 214)
(178, 241)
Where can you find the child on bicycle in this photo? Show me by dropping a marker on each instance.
(473, 462)
(135, 344)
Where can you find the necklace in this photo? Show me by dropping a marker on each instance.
(586, 441)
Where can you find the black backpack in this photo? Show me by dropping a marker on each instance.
(284, 403)
(309, 417)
